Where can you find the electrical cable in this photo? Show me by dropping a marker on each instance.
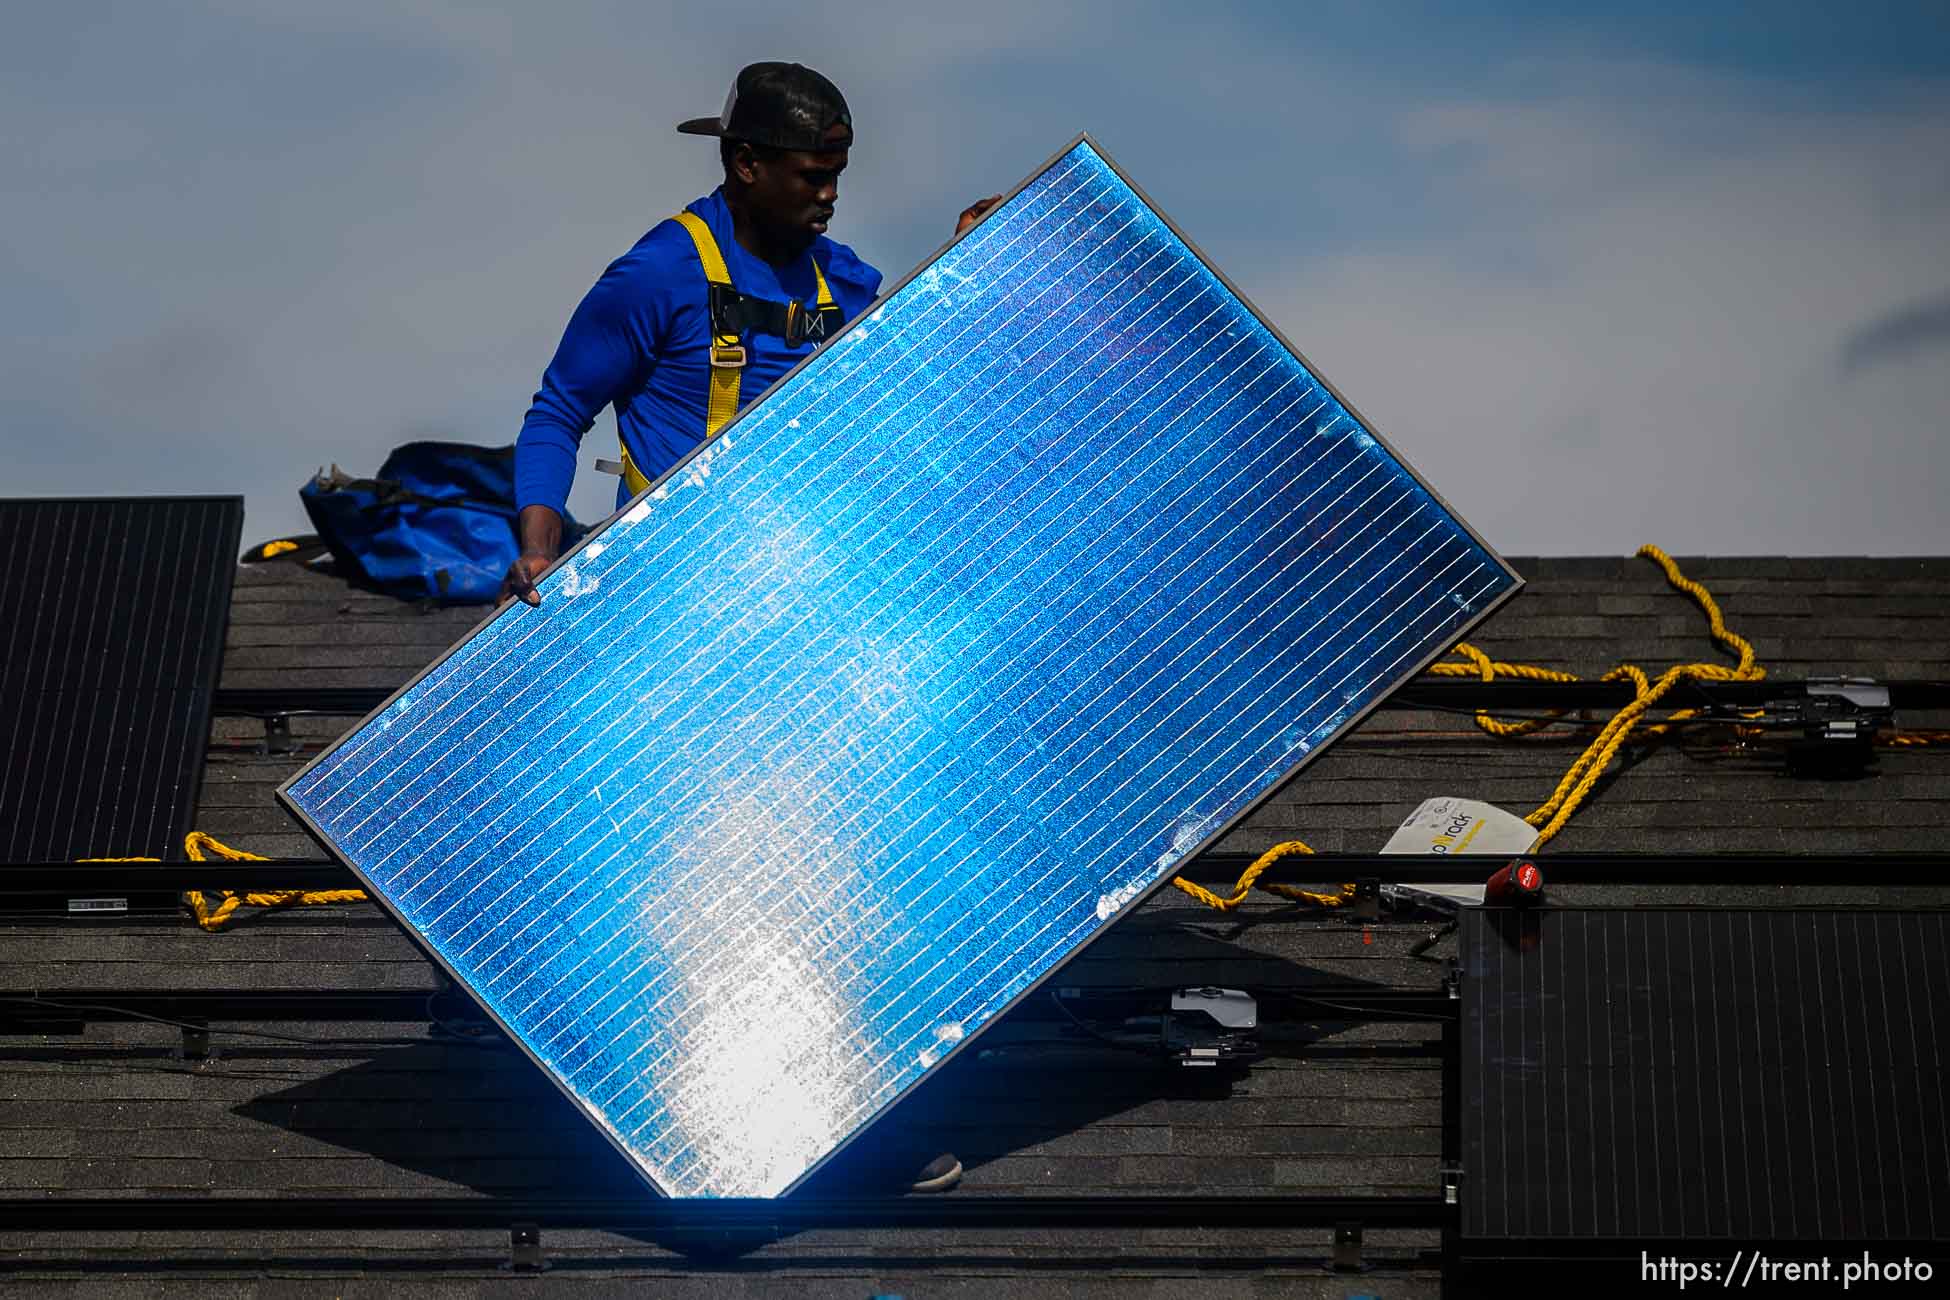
(1093, 1032)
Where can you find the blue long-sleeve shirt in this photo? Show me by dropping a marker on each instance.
(640, 341)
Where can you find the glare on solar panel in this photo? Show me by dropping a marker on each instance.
(874, 710)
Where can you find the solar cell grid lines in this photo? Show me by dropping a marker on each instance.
(882, 704)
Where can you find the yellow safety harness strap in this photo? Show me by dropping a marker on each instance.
(728, 354)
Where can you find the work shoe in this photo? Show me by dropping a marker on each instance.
(937, 1175)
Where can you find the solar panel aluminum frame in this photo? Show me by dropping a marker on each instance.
(683, 465)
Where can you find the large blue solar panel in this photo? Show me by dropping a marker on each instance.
(875, 710)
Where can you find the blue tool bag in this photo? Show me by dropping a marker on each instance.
(437, 523)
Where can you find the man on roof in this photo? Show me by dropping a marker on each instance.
(708, 309)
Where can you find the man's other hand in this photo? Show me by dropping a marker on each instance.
(540, 531)
(974, 212)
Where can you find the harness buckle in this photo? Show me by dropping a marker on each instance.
(731, 357)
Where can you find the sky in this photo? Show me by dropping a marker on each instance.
(1676, 273)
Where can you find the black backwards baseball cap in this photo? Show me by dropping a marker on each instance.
(783, 105)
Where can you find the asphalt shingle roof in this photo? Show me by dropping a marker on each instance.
(1334, 1109)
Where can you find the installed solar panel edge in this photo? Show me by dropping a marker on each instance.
(222, 585)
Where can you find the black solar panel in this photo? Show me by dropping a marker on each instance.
(1705, 1074)
(111, 630)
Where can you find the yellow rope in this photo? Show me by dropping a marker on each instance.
(1591, 765)
(1251, 877)
(197, 843)
(1584, 773)
(215, 918)
(1482, 666)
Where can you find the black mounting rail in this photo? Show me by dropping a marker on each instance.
(294, 701)
(35, 1011)
(69, 880)
(652, 1213)
(1422, 693)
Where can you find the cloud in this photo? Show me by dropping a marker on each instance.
(1916, 328)
(1628, 338)
(1594, 300)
